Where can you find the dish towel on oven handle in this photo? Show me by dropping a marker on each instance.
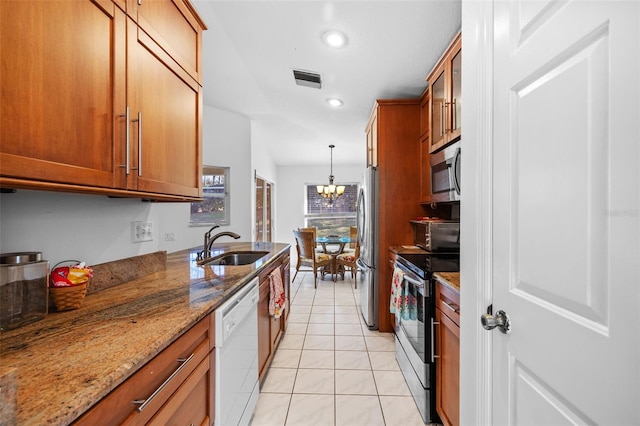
(276, 293)
(403, 303)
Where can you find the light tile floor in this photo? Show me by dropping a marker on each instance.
(330, 369)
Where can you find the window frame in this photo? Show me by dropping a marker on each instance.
(351, 215)
(208, 170)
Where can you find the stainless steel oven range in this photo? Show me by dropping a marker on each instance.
(415, 334)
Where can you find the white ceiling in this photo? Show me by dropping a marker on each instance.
(251, 48)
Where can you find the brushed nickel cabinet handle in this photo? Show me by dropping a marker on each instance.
(139, 144)
(145, 402)
(454, 309)
(454, 114)
(127, 163)
(139, 121)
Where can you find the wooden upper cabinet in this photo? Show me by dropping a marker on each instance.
(424, 113)
(446, 97)
(425, 148)
(62, 87)
(96, 101)
(176, 29)
(165, 110)
(372, 139)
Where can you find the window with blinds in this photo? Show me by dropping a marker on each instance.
(331, 218)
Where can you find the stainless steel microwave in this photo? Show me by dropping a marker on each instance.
(437, 235)
(445, 174)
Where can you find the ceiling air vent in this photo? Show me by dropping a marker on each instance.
(306, 78)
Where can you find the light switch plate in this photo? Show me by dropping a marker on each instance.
(141, 232)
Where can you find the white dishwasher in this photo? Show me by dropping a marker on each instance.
(236, 369)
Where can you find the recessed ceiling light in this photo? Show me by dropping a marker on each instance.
(334, 38)
(335, 102)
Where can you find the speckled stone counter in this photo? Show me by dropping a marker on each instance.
(70, 360)
(406, 250)
(451, 279)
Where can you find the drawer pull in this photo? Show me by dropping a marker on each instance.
(452, 307)
(144, 402)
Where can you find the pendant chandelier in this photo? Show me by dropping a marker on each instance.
(330, 192)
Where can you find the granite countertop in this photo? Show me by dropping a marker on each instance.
(68, 361)
(451, 279)
(406, 249)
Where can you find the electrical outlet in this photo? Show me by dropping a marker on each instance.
(141, 231)
(169, 236)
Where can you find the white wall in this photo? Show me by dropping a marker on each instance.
(291, 181)
(97, 229)
(263, 164)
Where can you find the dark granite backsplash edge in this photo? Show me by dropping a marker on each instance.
(110, 274)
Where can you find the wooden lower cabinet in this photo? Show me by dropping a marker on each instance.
(270, 329)
(448, 348)
(190, 404)
(177, 384)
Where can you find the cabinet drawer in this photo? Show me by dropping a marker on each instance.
(193, 401)
(160, 377)
(448, 301)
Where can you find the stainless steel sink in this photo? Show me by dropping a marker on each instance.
(235, 258)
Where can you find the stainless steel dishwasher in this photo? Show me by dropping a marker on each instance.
(236, 379)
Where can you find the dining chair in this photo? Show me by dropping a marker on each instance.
(308, 256)
(348, 259)
(315, 234)
(353, 239)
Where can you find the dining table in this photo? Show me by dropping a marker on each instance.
(333, 245)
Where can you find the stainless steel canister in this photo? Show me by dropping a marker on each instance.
(23, 289)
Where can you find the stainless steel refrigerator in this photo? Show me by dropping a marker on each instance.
(367, 222)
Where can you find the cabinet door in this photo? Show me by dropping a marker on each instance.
(174, 27)
(191, 403)
(425, 170)
(61, 91)
(438, 122)
(264, 329)
(454, 108)
(286, 267)
(448, 370)
(166, 110)
(372, 141)
(424, 113)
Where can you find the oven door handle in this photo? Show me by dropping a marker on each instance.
(417, 282)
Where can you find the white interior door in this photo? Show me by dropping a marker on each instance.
(565, 226)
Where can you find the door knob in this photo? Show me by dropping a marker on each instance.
(500, 320)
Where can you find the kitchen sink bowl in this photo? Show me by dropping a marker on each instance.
(235, 258)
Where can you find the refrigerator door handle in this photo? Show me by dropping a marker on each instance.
(362, 266)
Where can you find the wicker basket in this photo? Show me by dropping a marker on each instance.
(67, 298)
